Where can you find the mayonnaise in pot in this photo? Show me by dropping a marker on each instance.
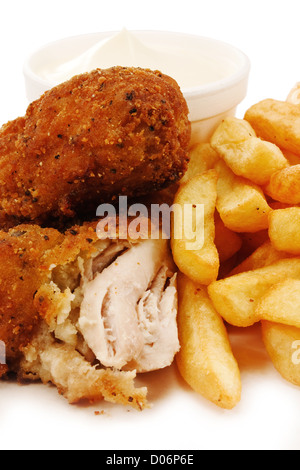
(188, 67)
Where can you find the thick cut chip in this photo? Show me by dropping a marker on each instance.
(240, 203)
(236, 298)
(202, 158)
(282, 343)
(235, 141)
(232, 131)
(205, 359)
(284, 229)
(277, 122)
(194, 209)
(264, 255)
(281, 303)
(284, 185)
(294, 94)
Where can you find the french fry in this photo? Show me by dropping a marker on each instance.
(240, 203)
(232, 131)
(202, 158)
(294, 94)
(256, 236)
(284, 229)
(246, 155)
(201, 263)
(205, 360)
(281, 303)
(236, 298)
(265, 255)
(277, 122)
(284, 185)
(282, 343)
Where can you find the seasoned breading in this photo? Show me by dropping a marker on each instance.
(22, 271)
(119, 131)
(86, 313)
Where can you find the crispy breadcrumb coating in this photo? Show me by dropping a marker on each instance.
(119, 131)
(30, 304)
(44, 278)
(22, 271)
(28, 255)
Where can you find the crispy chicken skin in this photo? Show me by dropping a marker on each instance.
(118, 131)
(22, 271)
(86, 314)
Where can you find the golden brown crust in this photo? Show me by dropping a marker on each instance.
(97, 136)
(28, 255)
(30, 303)
(40, 297)
(3, 369)
(22, 270)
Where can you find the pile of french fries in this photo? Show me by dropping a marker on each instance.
(248, 269)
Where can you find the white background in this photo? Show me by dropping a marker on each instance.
(36, 417)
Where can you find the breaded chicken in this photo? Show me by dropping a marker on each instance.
(22, 271)
(87, 314)
(118, 131)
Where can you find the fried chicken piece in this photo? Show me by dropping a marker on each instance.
(21, 274)
(87, 314)
(118, 131)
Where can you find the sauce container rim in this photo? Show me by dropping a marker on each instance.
(204, 101)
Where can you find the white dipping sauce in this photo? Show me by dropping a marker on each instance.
(187, 67)
(212, 75)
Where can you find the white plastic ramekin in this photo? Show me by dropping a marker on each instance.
(208, 104)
